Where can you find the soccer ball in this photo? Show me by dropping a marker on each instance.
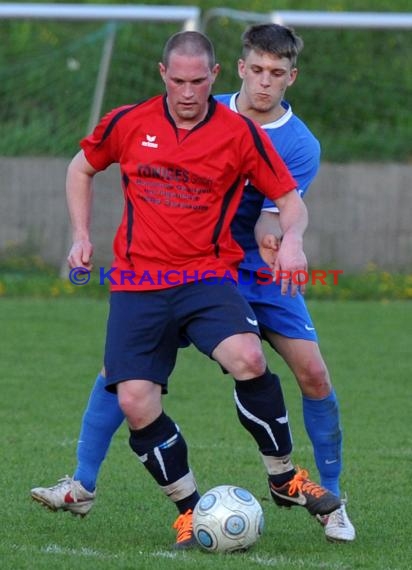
(227, 518)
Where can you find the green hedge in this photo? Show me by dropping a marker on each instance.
(353, 90)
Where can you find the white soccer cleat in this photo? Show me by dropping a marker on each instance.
(338, 527)
(67, 495)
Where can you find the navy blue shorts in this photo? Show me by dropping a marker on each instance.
(145, 328)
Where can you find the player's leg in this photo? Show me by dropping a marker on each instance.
(320, 406)
(101, 419)
(287, 325)
(141, 347)
(262, 412)
(226, 329)
(321, 418)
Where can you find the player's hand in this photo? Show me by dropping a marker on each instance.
(80, 255)
(291, 265)
(269, 249)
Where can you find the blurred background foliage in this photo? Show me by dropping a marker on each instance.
(354, 88)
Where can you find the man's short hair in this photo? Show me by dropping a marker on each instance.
(189, 43)
(274, 39)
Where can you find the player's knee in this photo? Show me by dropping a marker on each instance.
(314, 379)
(140, 402)
(127, 402)
(251, 362)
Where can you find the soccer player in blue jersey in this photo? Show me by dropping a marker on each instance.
(267, 68)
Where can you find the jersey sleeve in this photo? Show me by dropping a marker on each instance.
(263, 165)
(101, 146)
(303, 163)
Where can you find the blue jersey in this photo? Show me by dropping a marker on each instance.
(299, 149)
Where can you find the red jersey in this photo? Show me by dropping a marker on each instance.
(181, 192)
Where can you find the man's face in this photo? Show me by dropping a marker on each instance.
(265, 79)
(188, 81)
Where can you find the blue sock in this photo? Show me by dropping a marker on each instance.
(321, 419)
(101, 420)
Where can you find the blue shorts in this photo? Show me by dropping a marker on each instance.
(145, 328)
(281, 314)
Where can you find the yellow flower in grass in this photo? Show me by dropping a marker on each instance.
(344, 294)
(408, 292)
(387, 277)
(38, 262)
(371, 267)
(68, 288)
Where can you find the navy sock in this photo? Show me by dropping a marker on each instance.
(101, 419)
(188, 502)
(281, 478)
(163, 451)
(322, 425)
(262, 412)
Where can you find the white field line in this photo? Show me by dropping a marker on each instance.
(183, 557)
(296, 563)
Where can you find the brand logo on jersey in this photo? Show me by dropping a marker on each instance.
(252, 321)
(150, 141)
(308, 328)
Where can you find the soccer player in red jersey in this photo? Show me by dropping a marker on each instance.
(184, 160)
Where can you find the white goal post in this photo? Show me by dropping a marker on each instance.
(316, 19)
(189, 15)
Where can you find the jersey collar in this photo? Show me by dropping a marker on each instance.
(209, 114)
(274, 124)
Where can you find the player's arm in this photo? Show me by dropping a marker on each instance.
(268, 235)
(303, 164)
(79, 195)
(269, 222)
(279, 236)
(267, 172)
(291, 259)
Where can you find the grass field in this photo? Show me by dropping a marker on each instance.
(50, 352)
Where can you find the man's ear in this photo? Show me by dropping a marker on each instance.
(162, 70)
(241, 68)
(215, 71)
(293, 75)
